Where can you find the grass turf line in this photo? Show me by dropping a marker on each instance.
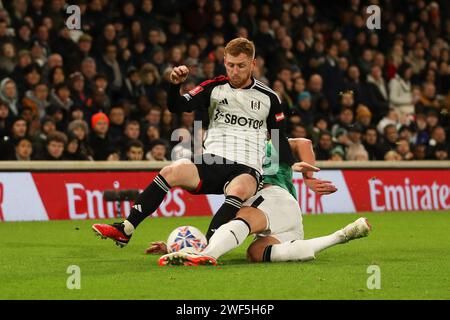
(410, 248)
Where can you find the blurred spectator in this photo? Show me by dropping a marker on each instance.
(340, 129)
(299, 131)
(54, 148)
(80, 129)
(133, 87)
(8, 58)
(363, 116)
(98, 139)
(315, 85)
(400, 91)
(116, 123)
(441, 152)
(31, 77)
(372, 145)
(109, 65)
(60, 97)
(324, 147)
(78, 91)
(134, 151)
(357, 153)
(23, 149)
(390, 137)
(157, 151)
(19, 129)
(353, 83)
(337, 153)
(420, 152)
(37, 99)
(428, 100)
(9, 95)
(48, 126)
(56, 76)
(74, 151)
(376, 94)
(408, 133)
(403, 149)
(392, 156)
(391, 118)
(5, 119)
(305, 108)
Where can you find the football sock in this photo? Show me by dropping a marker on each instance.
(301, 250)
(147, 202)
(128, 227)
(321, 243)
(226, 212)
(227, 237)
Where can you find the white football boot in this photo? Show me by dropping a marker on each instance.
(358, 229)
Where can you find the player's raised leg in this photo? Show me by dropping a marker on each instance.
(238, 190)
(179, 174)
(271, 249)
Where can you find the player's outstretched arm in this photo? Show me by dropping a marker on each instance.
(176, 102)
(303, 149)
(196, 99)
(304, 167)
(179, 75)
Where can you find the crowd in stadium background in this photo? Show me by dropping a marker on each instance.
(100, 93)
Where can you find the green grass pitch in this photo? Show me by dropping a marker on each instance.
(411, 249)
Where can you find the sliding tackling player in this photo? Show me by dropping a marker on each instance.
(274, 217)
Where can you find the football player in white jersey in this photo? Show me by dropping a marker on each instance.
(274, 217)
(241, 112)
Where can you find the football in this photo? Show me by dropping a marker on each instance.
(186, 238)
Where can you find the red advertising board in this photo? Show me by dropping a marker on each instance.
(79, 195)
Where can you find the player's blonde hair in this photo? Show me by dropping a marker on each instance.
(240, 45)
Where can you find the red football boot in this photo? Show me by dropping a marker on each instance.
(188, 259)
(113, 231)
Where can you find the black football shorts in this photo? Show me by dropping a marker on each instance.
(216, 173)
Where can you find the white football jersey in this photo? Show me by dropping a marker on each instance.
(239, 119)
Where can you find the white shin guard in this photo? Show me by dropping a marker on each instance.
(226, 238)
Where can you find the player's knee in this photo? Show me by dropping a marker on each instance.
(240, 191)
(254, 254)
(169, 173)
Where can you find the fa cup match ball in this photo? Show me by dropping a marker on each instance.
(186, 238)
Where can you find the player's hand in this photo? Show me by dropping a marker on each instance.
(321, 187)
(157, 247)
(178, 74)
(304, 167)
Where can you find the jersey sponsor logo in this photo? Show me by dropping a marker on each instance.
(233, 119)
(279, 116)
(196, 90)
(255, 105)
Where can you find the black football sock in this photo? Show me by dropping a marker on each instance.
(226, 213)
(148, 201)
